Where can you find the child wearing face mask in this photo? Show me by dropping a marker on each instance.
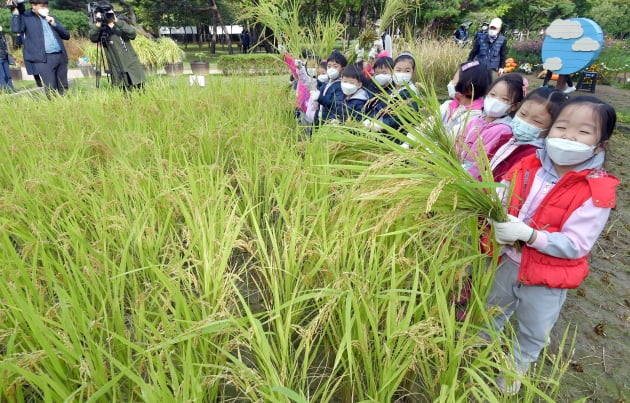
(355, 95)
(316, 85)
(466, 90)
(403, 92)
(529, 126)
(381, 86)
(491, 130)
(331, 97)
(560, 203)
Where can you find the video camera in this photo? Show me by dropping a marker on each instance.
(100, 11)
(19, 4)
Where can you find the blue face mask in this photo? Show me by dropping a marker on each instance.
(524, 131)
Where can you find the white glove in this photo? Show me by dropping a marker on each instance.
(378, 44)
(513, 230)
(282, 49)
(314, 95)
(373, 53)
(372, 125)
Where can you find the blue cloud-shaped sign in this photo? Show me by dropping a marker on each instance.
(571, 45)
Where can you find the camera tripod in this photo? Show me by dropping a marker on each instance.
(115, 66)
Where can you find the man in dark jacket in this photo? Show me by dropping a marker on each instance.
(491, 49)
(43, 38)
(5, 74)
(115, 36)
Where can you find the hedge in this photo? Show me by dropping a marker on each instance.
(251, 64)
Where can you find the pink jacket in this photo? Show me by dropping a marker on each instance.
(492, 135)
(456, 115)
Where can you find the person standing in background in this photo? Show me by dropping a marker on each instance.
(384, 42)
(491, 49)
(115, 35)
(483, 32)
(245, 41)
(5, 74)
(43, 37)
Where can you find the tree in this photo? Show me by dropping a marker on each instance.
(612, 16)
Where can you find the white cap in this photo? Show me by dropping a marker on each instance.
(497, 23)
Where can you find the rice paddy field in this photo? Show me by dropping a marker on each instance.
(193, 244)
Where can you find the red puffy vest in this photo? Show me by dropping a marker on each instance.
(571, 191)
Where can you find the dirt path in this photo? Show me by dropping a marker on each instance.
(600, 308)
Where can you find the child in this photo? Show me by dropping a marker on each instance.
(492, 129)
(467, 89)
(560, 204)
(319, 81)
(380, 87)
(403, 92)
(331, 97)
(529, 125)
(355, 95)
(312, 107)
(304, 85)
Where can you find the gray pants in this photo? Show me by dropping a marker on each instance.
(537, 309)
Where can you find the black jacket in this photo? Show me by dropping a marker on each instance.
(29, 25)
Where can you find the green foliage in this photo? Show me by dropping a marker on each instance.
(168, 51)
(148, 51)
(75, 22)
(286, 20)
(527, 52)
(251, 64)
(612, 16)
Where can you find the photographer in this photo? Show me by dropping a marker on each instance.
(114, 36)
(43, 42)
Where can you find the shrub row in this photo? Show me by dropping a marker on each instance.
(251, 64)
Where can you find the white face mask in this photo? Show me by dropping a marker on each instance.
(383, 79)
(568, 152)
(401, 78)
(524, 131)
(43, 12)
(493, 33)
(332, 73)
(349, 88)
(495, 108)
(451, 89)
(322, 78)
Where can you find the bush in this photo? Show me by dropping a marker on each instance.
(76, 48)
(527, 52)
(251, 64)
(613, 61)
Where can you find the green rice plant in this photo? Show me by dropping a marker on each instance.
(154, 252)
(282, 17)
(322, 37)
(393, 9)
(437, 60)
(285, 19)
